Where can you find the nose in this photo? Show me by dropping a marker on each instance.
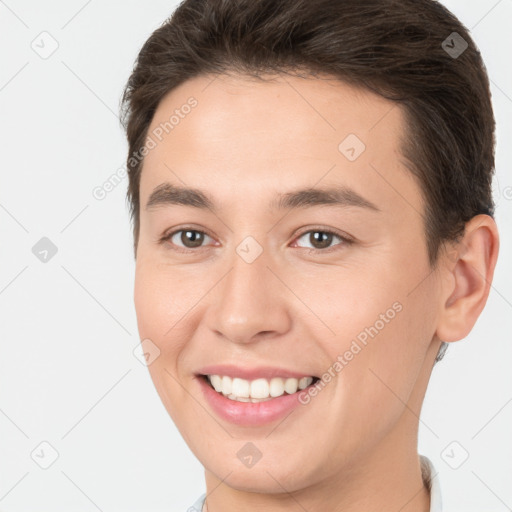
(250, 303)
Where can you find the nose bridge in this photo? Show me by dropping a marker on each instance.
(248, 301)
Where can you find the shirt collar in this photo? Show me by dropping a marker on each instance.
(431, 479)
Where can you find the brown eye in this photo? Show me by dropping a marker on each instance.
(194, 238)
(321, 239)
(186, 238)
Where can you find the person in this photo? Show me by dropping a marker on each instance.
(310, 191)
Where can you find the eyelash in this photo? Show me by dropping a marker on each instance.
(344, 238)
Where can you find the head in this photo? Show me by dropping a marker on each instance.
(285, 120)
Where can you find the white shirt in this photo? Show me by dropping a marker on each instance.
(428, 472)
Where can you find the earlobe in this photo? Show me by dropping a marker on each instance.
(469, 276)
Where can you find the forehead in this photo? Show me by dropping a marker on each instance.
(244, 136)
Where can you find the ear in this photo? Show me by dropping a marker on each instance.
(468, 273)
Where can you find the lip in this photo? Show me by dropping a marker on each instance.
(249, 414)
(265, 372)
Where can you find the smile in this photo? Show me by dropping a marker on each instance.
(255, 401)
(257, 390)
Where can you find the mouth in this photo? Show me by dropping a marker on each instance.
(259, 389)
(254, 396)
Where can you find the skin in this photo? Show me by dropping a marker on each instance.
(354, 446)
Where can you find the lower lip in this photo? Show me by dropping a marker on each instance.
(249, 413)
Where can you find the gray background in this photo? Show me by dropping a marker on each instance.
(68, 374)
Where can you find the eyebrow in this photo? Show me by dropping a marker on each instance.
(168, 194)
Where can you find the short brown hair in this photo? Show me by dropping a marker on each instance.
(413, 52)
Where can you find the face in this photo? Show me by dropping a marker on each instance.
(270, 283)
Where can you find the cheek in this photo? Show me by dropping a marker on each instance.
(150, 301)
(160, 305)
(161, 300)
(382, 334)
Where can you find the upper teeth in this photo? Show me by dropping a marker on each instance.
(257, 390)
